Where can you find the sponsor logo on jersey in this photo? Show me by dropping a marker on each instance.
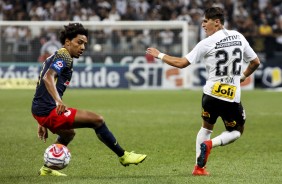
(224, 90)
(58, 65)
(228, 44)
(229, 38)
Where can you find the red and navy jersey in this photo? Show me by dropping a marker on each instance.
(62, 63)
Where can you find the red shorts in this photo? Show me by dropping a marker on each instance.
(55, 122)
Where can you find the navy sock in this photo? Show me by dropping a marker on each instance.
(62, 141)
(104, 134)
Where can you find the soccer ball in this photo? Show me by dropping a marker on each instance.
(57, 156)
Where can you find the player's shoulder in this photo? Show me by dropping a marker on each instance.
(64, 55)
(234, 33)
(208, 42)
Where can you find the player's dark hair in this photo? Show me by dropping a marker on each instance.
(71, 31)
(215, 13)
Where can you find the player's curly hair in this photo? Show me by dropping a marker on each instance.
(71, 31)
(215, 13)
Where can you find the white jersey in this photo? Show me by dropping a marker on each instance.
(223, 54)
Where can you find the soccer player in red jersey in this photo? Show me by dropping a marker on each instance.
(51, 112)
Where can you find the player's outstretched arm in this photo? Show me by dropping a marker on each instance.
(170, 60)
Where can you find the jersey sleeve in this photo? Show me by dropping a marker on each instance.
(196, 53)
(62, 60)
(58, 65)
(249, 53)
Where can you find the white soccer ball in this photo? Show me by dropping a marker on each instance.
(57, 156)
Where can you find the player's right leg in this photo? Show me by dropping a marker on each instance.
(206, 147)
(202, 151)
(65, 136)
(57, 124)
(86, 119)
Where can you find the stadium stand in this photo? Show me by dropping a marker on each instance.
(259, 20)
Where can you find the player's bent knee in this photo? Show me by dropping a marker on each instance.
(96, 120)
(100, 122)
(100, 119)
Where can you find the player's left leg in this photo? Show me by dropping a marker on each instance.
(234, 120)
(87, 119)
(65, 136)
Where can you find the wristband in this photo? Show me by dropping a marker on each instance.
(161, 56)
(243, 77)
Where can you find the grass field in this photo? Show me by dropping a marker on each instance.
(162, 124)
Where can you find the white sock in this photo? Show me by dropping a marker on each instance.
(225, 138)
(203, 135)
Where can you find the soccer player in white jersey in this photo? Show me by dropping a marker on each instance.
(223, 52)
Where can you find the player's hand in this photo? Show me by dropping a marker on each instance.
(61, 107)
(42, 133)
(153, 51)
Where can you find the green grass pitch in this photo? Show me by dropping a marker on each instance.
(161, 124)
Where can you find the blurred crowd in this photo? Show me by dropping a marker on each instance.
(259, 20)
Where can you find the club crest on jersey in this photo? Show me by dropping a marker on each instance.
(230, 124)
(67, 113)
(205, 114)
